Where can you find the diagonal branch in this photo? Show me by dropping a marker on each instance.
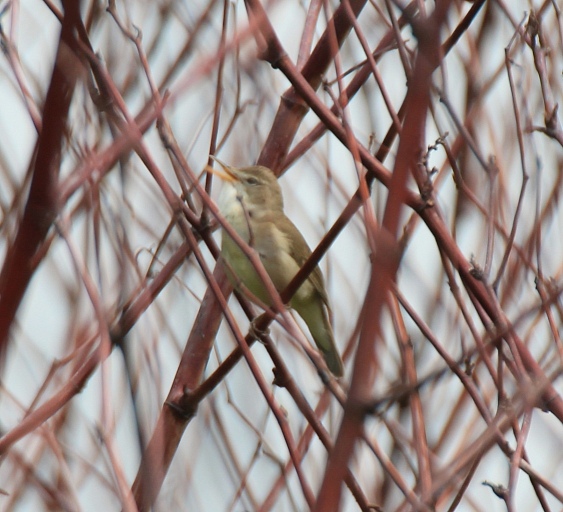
(41, 207)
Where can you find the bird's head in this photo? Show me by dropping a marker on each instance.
(256, 186)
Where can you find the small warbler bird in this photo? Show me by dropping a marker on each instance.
(252, 203)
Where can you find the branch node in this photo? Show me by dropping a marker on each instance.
(185, 407)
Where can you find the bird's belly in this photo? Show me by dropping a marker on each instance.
(241, 269)
(278, 263)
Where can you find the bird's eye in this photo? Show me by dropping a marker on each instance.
(252, 181)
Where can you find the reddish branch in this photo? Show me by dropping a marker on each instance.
(387, 257)
(292, 108)
(287, 120)
(188, 390)
(41, 206)
(171, 424)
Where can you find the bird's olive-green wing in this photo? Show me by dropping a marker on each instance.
(300, 252)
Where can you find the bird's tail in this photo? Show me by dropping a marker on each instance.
(315, 315)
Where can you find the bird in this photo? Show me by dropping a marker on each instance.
(252, 203)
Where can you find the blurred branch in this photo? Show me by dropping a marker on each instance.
(459, 356)
(386, 259)
(41, 207)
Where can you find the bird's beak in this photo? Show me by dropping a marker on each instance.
(226, 173)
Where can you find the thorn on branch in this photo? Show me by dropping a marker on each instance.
(476, 271)
(469, 366)
(281, 378)
(426, 191)
(425, 158)
(492, 167)
(500, 490)
(165, 133)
